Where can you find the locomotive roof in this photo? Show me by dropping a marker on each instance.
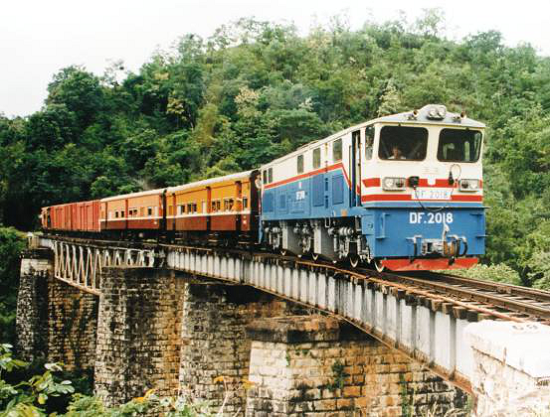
(413, 117)
(422, 117)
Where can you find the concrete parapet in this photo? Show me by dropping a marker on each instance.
(317, 366)
(139, 333)
(215, 352)
(511, 375)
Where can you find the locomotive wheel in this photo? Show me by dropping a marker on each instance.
(379, 267)
(354, 260)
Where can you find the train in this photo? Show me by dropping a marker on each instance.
(400, 192)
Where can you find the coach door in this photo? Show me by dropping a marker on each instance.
(355, 168)
(238, 205)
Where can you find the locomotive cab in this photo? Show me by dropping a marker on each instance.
(422, 186)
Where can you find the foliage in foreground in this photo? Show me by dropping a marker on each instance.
(33, 397)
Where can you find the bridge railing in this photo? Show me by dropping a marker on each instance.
(418, 327)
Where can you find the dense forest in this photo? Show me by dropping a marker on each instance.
(256, 90)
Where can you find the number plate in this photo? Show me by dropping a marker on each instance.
(432, 194)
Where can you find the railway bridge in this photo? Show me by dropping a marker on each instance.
(264, 334)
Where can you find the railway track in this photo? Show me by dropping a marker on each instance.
(489, 299)
(464, 296)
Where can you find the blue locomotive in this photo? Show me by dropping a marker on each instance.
(404, 192)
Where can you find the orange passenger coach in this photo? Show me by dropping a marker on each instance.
(136, 211)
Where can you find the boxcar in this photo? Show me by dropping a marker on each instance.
(78, 217)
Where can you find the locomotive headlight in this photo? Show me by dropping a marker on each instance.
(393, 184)
(469, 185)
(437, 112)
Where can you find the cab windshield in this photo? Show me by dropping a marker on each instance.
(459, 145)
(403, 143)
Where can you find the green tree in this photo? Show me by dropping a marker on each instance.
(11, 245)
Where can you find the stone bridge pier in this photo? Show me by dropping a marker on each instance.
(254, 353)
(55, 320)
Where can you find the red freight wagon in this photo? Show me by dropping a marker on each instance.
(87, 216)
(81, 217)
(61, 217)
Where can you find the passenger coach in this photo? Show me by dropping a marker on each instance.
(402, 191)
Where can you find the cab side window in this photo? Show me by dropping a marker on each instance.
(300, 164)
(369, 141)
(316, 158)
(337, 150)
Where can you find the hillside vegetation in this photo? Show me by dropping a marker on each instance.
(254, 91)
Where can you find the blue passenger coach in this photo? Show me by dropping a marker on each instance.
(403, 191)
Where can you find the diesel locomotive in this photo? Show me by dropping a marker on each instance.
(402, 192)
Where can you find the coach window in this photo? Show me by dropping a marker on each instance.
(316, 158)
(149, 211)
(369, 141)
(116, 214)
(245, 203)
(337, 150)
(403, 143)
(300, 164)
(270, 175)
(264, 176)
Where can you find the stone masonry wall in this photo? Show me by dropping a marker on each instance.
(215, 351)
(72, 325)
(31, 319)
(139, 333)
(55, 321)
(319, 366)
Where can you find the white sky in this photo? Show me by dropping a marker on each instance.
(38, 37)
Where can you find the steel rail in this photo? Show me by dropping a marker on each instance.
(495, 299)
(500, 287)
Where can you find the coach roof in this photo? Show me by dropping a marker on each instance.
(210, 181)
